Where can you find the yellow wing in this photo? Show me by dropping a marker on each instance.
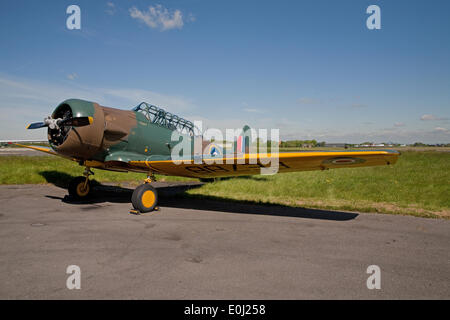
(251, 164)
(44, 149)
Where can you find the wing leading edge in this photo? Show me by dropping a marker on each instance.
(251, 164)
(42, 149)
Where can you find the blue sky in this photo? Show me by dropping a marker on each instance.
(310, 68)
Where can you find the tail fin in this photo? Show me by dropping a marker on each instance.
(243, 141)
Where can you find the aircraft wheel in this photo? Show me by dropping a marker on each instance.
(78, 189)
(144, 198)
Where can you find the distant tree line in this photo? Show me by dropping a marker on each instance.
(421, 144)
(301, 144)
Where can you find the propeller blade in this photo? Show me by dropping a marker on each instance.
(36, 125)
(77, 122)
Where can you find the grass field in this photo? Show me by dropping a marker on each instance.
(42, 169)
(419, 184)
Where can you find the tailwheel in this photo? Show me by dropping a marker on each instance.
(144, 198)
(80, 188)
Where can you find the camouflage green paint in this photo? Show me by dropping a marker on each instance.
(80, 108)
(115, 136)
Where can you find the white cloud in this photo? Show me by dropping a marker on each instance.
(427, 117)
(72, 76)
(305, 100)
(440, 129)
(399, 124)
(253, 110)
(191, 17)
(111, 8)
(158, 17)
(430, 117)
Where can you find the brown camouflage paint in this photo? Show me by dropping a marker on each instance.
(110, 126)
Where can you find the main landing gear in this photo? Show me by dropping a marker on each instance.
(80, 187)
(145, 197)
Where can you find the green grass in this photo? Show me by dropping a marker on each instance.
(419, 184)
(44, 169)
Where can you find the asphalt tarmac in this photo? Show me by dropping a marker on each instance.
(211, 249)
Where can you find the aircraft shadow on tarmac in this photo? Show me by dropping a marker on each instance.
(174, 196)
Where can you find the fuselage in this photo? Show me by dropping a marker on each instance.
(115, 135)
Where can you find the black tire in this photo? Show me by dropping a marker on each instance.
(76, 188)
(144, 198)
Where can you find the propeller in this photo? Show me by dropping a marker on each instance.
(57, 123)
(36, 125)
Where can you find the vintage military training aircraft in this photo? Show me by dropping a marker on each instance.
(140, 140)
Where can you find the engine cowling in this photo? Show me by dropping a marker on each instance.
(79, 142)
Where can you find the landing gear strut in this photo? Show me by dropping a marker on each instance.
(145, 197)
(80, 187)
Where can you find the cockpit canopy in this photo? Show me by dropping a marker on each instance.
(166, 119)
